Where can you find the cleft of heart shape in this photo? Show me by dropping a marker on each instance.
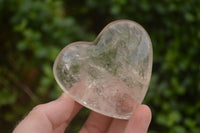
(110, 75)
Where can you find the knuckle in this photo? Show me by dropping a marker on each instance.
(38, 108)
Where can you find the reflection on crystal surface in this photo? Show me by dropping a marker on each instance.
(110, 75)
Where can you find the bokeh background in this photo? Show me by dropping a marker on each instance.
(32, 32)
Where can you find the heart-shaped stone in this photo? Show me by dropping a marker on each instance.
(110, 75)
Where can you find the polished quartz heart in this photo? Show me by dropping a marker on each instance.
(111, 74)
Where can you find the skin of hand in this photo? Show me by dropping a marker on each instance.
(55, 116)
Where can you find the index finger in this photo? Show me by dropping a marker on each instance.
(49, 116)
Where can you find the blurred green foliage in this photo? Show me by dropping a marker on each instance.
(32, 32)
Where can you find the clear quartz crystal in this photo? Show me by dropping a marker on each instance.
(110, 75)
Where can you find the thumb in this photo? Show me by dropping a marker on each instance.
(140, 120)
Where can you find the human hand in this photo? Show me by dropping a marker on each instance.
(55, 116)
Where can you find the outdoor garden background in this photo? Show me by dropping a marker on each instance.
(32, 32)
